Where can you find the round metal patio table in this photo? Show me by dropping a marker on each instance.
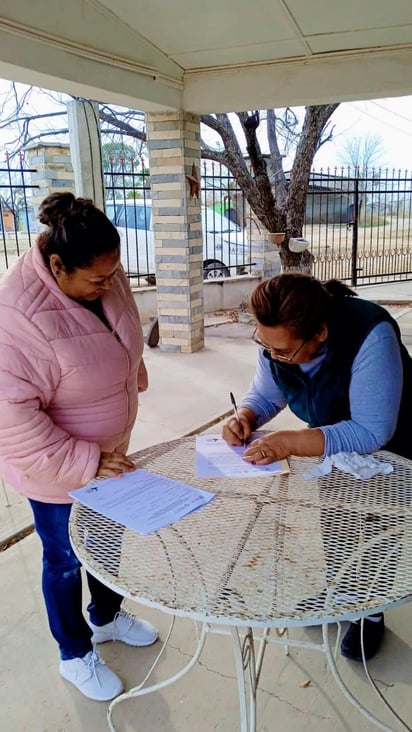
(267, 553)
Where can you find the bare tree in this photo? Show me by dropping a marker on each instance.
(365, 157)
(363, 153)
(25, 125)
(278, 201)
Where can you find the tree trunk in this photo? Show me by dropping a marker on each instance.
(279, 206)
(316, 118)
(293, 262)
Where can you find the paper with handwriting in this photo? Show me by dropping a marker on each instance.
(216, 459)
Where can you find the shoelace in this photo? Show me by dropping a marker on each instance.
(91, 664)
(127, 616)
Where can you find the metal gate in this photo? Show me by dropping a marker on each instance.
(359, 226)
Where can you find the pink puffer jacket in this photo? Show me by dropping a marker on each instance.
(68, 387)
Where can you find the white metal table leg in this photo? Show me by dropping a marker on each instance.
(141, 690)
(246, 660)
(342, 686)
(241, 685)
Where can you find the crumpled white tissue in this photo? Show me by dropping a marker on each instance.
(360, 466)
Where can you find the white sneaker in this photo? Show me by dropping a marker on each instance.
(92, 677)
(126, 628)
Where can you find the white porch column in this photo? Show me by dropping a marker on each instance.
(86, 151)
(174, 152)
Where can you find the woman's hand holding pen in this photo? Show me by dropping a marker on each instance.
(266, 450)
(238, 431)
(279, 445)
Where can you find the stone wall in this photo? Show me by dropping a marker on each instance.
(54, 171)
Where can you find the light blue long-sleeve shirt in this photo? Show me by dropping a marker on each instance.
(375, 392)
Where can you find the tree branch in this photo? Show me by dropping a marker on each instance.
(316, 118)
(232, 155)
(218, 156)
(30, 118)
(276, 157)
(40, 136)
(265, 205)
(123, 126)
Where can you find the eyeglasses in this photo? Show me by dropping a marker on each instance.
(274, 352)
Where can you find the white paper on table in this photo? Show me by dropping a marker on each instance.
(216, 459)
(142, 501)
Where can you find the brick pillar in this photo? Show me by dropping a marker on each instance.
(54, 170)
(174, 153)
(257, 237)
(264, 254)
(271, 258)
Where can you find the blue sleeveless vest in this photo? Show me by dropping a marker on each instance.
(324, 398)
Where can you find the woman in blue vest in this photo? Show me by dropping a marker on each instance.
(338, 362)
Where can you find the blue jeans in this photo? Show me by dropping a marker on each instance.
(62, 584)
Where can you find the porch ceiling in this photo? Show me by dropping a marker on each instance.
(210, 56)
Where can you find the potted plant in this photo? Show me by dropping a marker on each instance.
(276, 237)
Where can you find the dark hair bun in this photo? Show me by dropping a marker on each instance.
(57, 208)
(77, 231)
(336, 288)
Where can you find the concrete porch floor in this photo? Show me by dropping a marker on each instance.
(188, 392)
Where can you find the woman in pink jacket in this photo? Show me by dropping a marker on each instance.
(71, 366)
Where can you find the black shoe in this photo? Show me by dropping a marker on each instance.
(372, 638)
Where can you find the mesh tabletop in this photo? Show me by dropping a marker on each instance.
(267, 551)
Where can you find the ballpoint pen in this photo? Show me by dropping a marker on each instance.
(233, 400)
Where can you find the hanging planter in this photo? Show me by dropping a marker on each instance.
(276, 237)
(298, 244)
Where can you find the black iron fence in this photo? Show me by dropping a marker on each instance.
(226, 245)
(358, 223)
(129, 207)
(17, 214)
(225, 212)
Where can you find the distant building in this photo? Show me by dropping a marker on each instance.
(7, 217)
(329, 199)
